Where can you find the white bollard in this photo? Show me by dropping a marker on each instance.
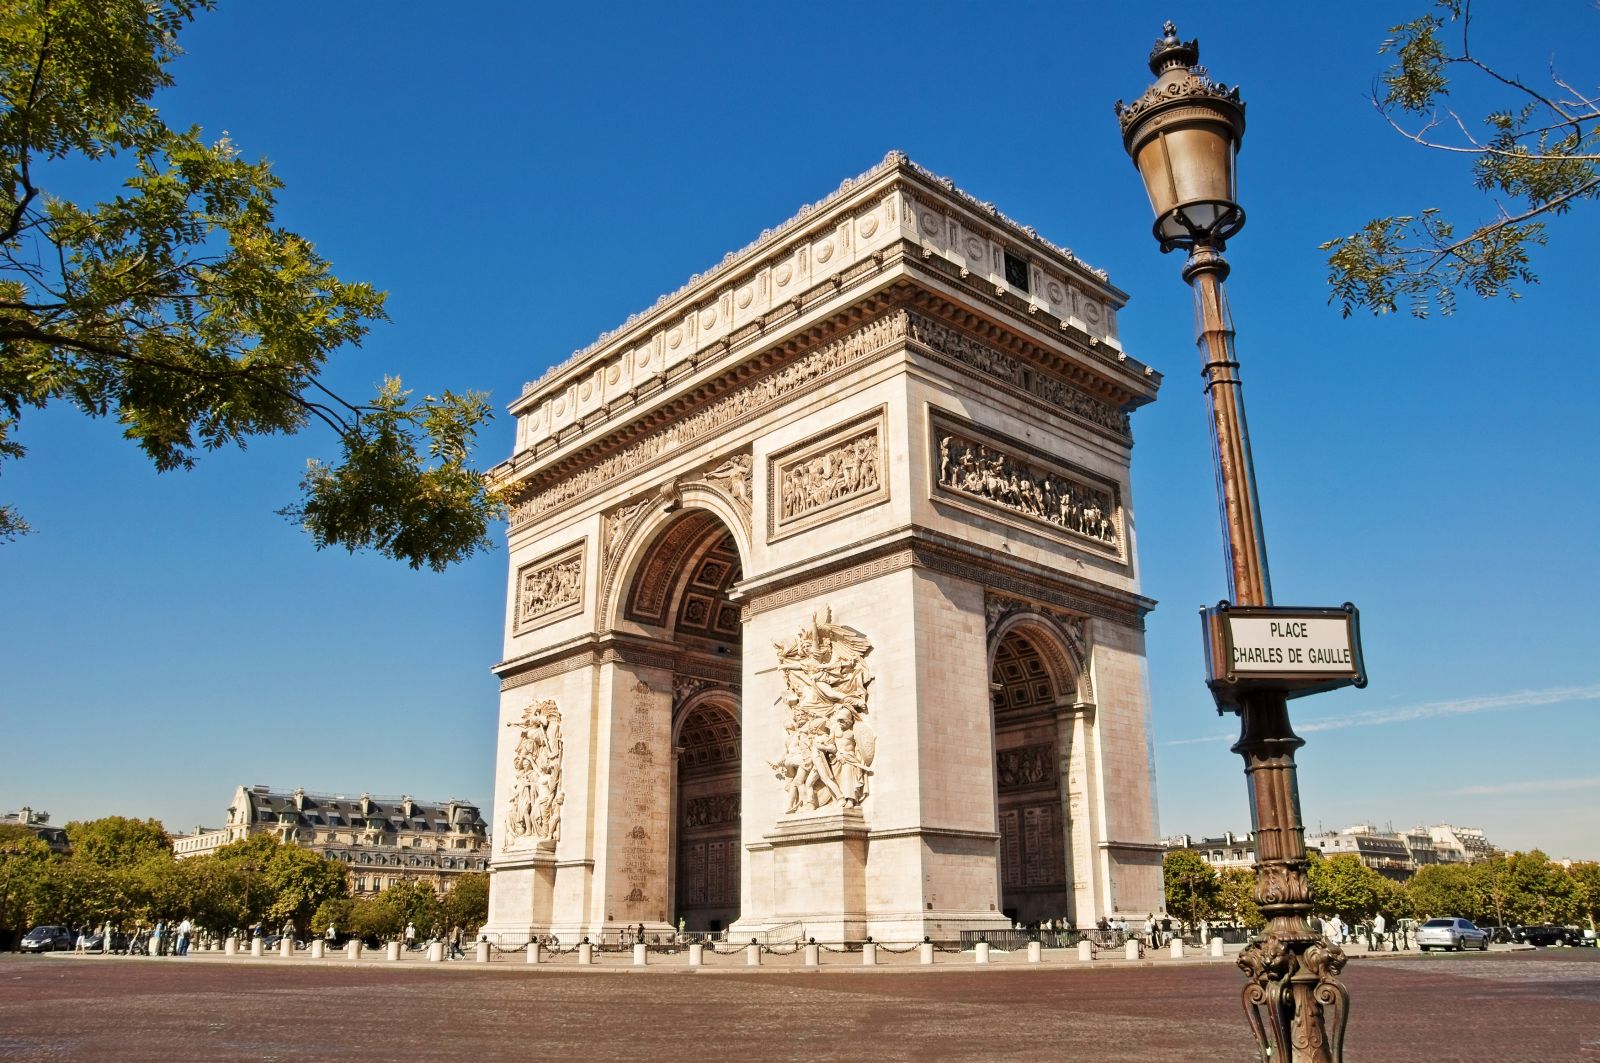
(869, 955)
(286, 947)
(1035, 952)
(257, 947)
(641, 954)
(981, 952)
(1085, 950)
(1130, 951)
(534, 949)
(1216, 947)
(482, 952)
(925, 952)
(317, 948)
(352, 951)
(231, 948)
(812, 955)
(394, 951)
(1175, 949)
(752, 955)
(435, 952)
(697, 955)
(585, 954)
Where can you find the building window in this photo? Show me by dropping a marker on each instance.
(1016, 272)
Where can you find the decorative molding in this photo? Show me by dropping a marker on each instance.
(549, 588)
(996, 476)
(1061, 396)
(828, 746)
(839, 471)
(801, 373)
(706, 312)
(846, 574)
(533, 814)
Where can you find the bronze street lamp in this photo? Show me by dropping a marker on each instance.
(1182, 135)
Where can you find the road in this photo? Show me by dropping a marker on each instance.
(1503, 1006)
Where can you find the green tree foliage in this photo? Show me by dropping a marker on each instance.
(1236, 897)
(24, 860)
(334, 912)
(379, 918)
(1192, 887)
(467, 903)
(417, 904)
(179, 306)
(299, 881)
(116, 841)
(1586, 877)
(1344, 886)
(1538, 149)
(1440, 890)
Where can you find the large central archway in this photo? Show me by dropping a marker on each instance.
(680, 592)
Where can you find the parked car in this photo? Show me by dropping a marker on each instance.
(1543, 935)
(48, 939)
(1452, 933)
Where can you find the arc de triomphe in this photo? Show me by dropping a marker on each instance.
(824, 607)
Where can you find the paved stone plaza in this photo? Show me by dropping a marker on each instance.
(1503, 1006)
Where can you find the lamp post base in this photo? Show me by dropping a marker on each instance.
(1296, 1007)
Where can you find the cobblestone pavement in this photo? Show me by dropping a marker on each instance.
(1506, 1007)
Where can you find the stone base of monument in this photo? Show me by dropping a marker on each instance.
(820, 866)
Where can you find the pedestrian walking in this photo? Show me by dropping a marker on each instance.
(455, 943)
(411, 936)
(185, 928)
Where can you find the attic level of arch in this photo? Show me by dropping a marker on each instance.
(1081, 373)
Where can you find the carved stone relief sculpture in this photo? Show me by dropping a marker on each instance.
(534, 811)
(548, 587)
(732, 477)
(828, 745)
(826, 476)
(980, 470)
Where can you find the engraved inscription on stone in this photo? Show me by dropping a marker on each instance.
(534, 811)
(979, 470)
(828, 746)
(550, 586)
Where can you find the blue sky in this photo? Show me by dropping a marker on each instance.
(521, 180)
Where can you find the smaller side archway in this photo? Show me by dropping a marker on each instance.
(706, 744)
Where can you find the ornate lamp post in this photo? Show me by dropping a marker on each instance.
(1182, 135)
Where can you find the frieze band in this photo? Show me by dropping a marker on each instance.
(741, 403)
(1009, 369)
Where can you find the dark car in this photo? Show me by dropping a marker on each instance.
(48, 939)
(1500, 935)
(1543, 935)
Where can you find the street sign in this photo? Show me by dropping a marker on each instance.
(1291, 650)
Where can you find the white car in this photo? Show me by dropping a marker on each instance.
(1453, 934)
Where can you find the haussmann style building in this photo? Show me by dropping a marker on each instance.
(824, 611)
(383, 840)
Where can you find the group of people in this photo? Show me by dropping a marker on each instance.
(161, 939)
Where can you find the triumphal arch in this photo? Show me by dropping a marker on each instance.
(824, 608)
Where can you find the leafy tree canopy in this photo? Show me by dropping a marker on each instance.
(179, 306)
(1192, 887)
(117, 841)
(1537, 149)
(467, 903)
(1344, 886)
